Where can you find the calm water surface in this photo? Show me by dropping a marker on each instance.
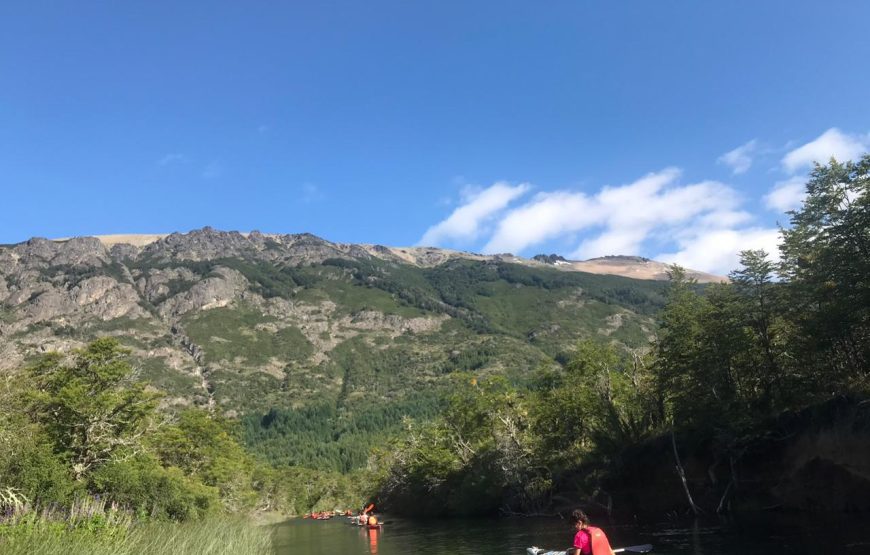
(511, 536)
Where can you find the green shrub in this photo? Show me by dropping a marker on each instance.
(39, 474)
(144, 486)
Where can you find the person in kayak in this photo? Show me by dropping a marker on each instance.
(364, 516)
(588, 540)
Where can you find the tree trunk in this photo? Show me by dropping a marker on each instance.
(695, 509)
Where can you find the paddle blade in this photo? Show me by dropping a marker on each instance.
(645, 548)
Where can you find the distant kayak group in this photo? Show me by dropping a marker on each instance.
(326, 515)
(365, 518)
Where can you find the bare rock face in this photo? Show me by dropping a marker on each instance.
(306, 249)
(212, 292)
(201, 244)
(101, 297)
(124, 251)
(49, 304)
(155, 284)
(107, 299)
(76, 252)
(27, 287)
(35, 251)
(92, 289)
(81, 252)
(210, 244)
(397, 325)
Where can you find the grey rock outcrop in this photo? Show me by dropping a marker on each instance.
(212, 292)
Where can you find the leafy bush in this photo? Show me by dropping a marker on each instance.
(147, 488)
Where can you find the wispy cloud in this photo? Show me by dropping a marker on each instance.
(702, 225)
(656, 204)
(718, 250)
(171, 158)
(212, 170)
(546, 216)
(786, 195)
(703, 221)
(620, 219)
(478, 208)
(833, 143)
(740, 159)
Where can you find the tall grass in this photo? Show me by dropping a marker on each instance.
(208, 537)
(93, 527)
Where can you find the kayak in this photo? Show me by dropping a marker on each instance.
(355, 522)
(646, 548)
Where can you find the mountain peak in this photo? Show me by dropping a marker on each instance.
(620, 259)
(208, 243)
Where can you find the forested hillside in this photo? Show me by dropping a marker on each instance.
(755, 391)
(320, 349)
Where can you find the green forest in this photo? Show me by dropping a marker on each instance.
(85, 448)
(728, 360)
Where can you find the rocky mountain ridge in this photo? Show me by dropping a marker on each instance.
(251, 321)
(628, 266)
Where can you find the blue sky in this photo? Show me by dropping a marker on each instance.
(576, 127)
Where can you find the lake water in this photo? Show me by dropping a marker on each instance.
(790, 535)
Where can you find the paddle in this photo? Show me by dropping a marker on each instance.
(645, 548)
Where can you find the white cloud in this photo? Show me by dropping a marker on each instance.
(614, 241)
(546, 216)
(550, 215)
(702, 220)
(625, 216)
(478, 208)
(170, 158)
(718, 250)
(831, 144)
(635, 212)
(739, 159)
(701, 225)
(786, 195)
(723, 218)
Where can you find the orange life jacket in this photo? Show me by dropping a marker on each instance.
(373, 520)
(600, 545)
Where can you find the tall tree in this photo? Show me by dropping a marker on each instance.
(757, 297)
(826, 262)
(92, 408)
(680, 383)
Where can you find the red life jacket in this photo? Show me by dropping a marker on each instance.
(600, 544)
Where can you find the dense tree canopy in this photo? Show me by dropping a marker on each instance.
(91, 409)
(726, 358)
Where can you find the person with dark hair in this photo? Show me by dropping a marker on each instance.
(588, 540)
